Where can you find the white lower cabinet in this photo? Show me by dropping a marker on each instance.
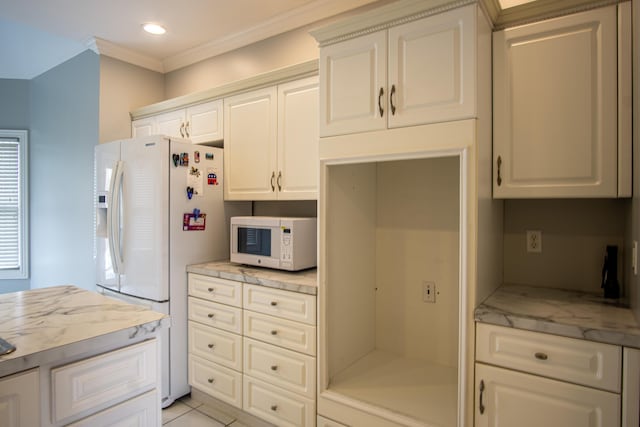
(531, 379)
(85, 387)
(254, 348)
(20, 399)
(138, 412)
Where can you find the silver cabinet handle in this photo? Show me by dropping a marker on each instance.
(279, 181)
(481, 405)
(380, 109)
(393, 107)
(273, 175)
(499, 164)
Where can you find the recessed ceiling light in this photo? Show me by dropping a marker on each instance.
(154, 28)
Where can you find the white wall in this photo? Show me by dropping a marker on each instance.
(123, 88)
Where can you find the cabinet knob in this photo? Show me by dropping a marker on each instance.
(210, 380)
(274, 407)
(274, 332)
(210, 315)
(274, 303)
(211, 345)
(274, 367)
(211, 289)
(541, 356)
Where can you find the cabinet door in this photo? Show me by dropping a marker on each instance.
(171, 124)
(509, 398)
(20, 399)
(298, 140)
(204, 122)
(250, 132)
(555, 107)
(353, 78)
(432, 69)
(143, 127)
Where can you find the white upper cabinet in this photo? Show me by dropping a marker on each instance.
(200, 123)
(556, 109)
(271, 143)
(415, 73)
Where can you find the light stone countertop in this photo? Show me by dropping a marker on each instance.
(561, 312)
(40, 320)
(304, 281)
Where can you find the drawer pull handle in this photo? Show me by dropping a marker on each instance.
(274, 407)
(211, 289)
(211, 345)
(274, 367)
(274, 303)
(541, 356)
(274, 332)
(481, 405)
(211, 380)
(210, 315)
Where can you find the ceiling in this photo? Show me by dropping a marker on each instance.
(36, 35)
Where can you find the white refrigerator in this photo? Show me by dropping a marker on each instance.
(159, 207)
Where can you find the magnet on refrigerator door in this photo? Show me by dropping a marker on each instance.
(196, 156)
(194, 221)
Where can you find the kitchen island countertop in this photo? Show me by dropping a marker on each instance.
(304, 281)
(561, 312)
(43, 323)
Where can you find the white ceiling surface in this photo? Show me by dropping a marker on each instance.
(36, 35)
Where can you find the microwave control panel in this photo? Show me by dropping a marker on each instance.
(286, 251)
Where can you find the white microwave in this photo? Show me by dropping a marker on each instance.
(275, 242)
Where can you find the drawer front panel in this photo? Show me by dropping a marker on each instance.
(142, 411)
(567, 359)
(214, 314)
(220, 382)
(215, 289)
(278, 366)
(279, 303)
(280, 407)
(109, 378)
(216, 345)
(281, 332)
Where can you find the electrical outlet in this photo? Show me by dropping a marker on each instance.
(534, 241)
(428, 292)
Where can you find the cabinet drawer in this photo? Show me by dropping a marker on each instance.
(284, 333)
(568, 359)
(280, 367)
(215, 289)
(510, 398)
(218, 315)
(216, 345)
(142, 411)
(276, 302)
(103, 380)
(215, 380)
(278, 406)
(20, 399)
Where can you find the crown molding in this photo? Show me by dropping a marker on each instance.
(103, 47)
(295, 18)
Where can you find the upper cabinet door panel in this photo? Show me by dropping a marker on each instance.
(204, 122)
(352, 74)
(171, 124)
(555, 107)
(432, 69)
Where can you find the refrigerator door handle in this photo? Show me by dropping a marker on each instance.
(113, 219)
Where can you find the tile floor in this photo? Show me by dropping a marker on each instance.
(188, 412)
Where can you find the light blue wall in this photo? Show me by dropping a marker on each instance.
(64, 105)
(14, 114)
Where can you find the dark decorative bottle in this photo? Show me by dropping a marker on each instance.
(610, 273)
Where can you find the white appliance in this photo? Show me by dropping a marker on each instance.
(159, 207)
(274, 242)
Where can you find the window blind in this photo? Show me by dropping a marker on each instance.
(10, 245)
